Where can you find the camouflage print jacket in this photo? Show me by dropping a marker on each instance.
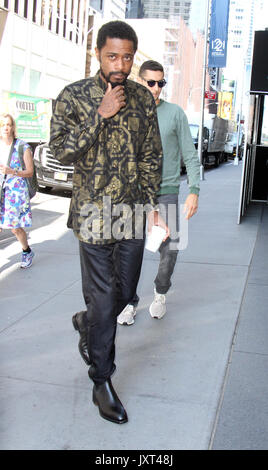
(117, 161)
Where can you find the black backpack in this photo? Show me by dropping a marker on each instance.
(32, 181)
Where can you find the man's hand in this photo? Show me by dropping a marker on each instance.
(113, 100)
(154, 218)
(190, 205)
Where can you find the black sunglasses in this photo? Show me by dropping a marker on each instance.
(152, 83)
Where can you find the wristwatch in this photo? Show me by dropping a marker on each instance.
(16, 172)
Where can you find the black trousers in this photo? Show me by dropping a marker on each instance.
(108, 282)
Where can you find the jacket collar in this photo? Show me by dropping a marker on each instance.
(100, 82)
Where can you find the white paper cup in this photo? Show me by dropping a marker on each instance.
(154, 240)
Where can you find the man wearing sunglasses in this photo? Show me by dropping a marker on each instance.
(177, 143)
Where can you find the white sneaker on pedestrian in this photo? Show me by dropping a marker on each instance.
(127, 315)
(27, 259)
(158, 306)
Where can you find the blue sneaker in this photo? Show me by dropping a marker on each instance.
(27, 259)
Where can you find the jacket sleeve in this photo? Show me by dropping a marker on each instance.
(150, 161)
(188, 153)
(71, 137)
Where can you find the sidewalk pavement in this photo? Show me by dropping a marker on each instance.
(195, 380)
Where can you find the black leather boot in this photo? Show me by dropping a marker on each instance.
(110, 407)
(79, 325)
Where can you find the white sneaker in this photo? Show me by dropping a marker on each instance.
(127, 315)
(158, 306)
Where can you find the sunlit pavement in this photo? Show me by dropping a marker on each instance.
(197, 379)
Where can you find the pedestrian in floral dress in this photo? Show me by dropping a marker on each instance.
(15, 207)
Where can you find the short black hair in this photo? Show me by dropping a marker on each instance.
(116, 29)
(150, 65)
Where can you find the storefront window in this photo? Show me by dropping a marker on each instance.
(264, 130)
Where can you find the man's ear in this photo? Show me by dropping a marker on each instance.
(140, 80)
(97, 52)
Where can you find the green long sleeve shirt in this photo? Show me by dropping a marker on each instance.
(177, 143)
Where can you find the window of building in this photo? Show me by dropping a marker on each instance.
(17, 78)
(34, 10)
(171, 60)
(34, 81)
(25, 9)
(264, 131)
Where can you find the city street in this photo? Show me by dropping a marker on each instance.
(195, 380)
(76, 87)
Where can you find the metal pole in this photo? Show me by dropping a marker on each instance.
(201, 125)
(237, 140)
(240, 114)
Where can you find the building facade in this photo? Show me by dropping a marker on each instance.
(38, 38)
(159, 9)
(236, 74)
(173, 46)
(134, 9)
(43, 48)
(110, 9)
(114, 9)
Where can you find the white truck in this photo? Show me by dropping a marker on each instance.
(231, 145)
(215, 136)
